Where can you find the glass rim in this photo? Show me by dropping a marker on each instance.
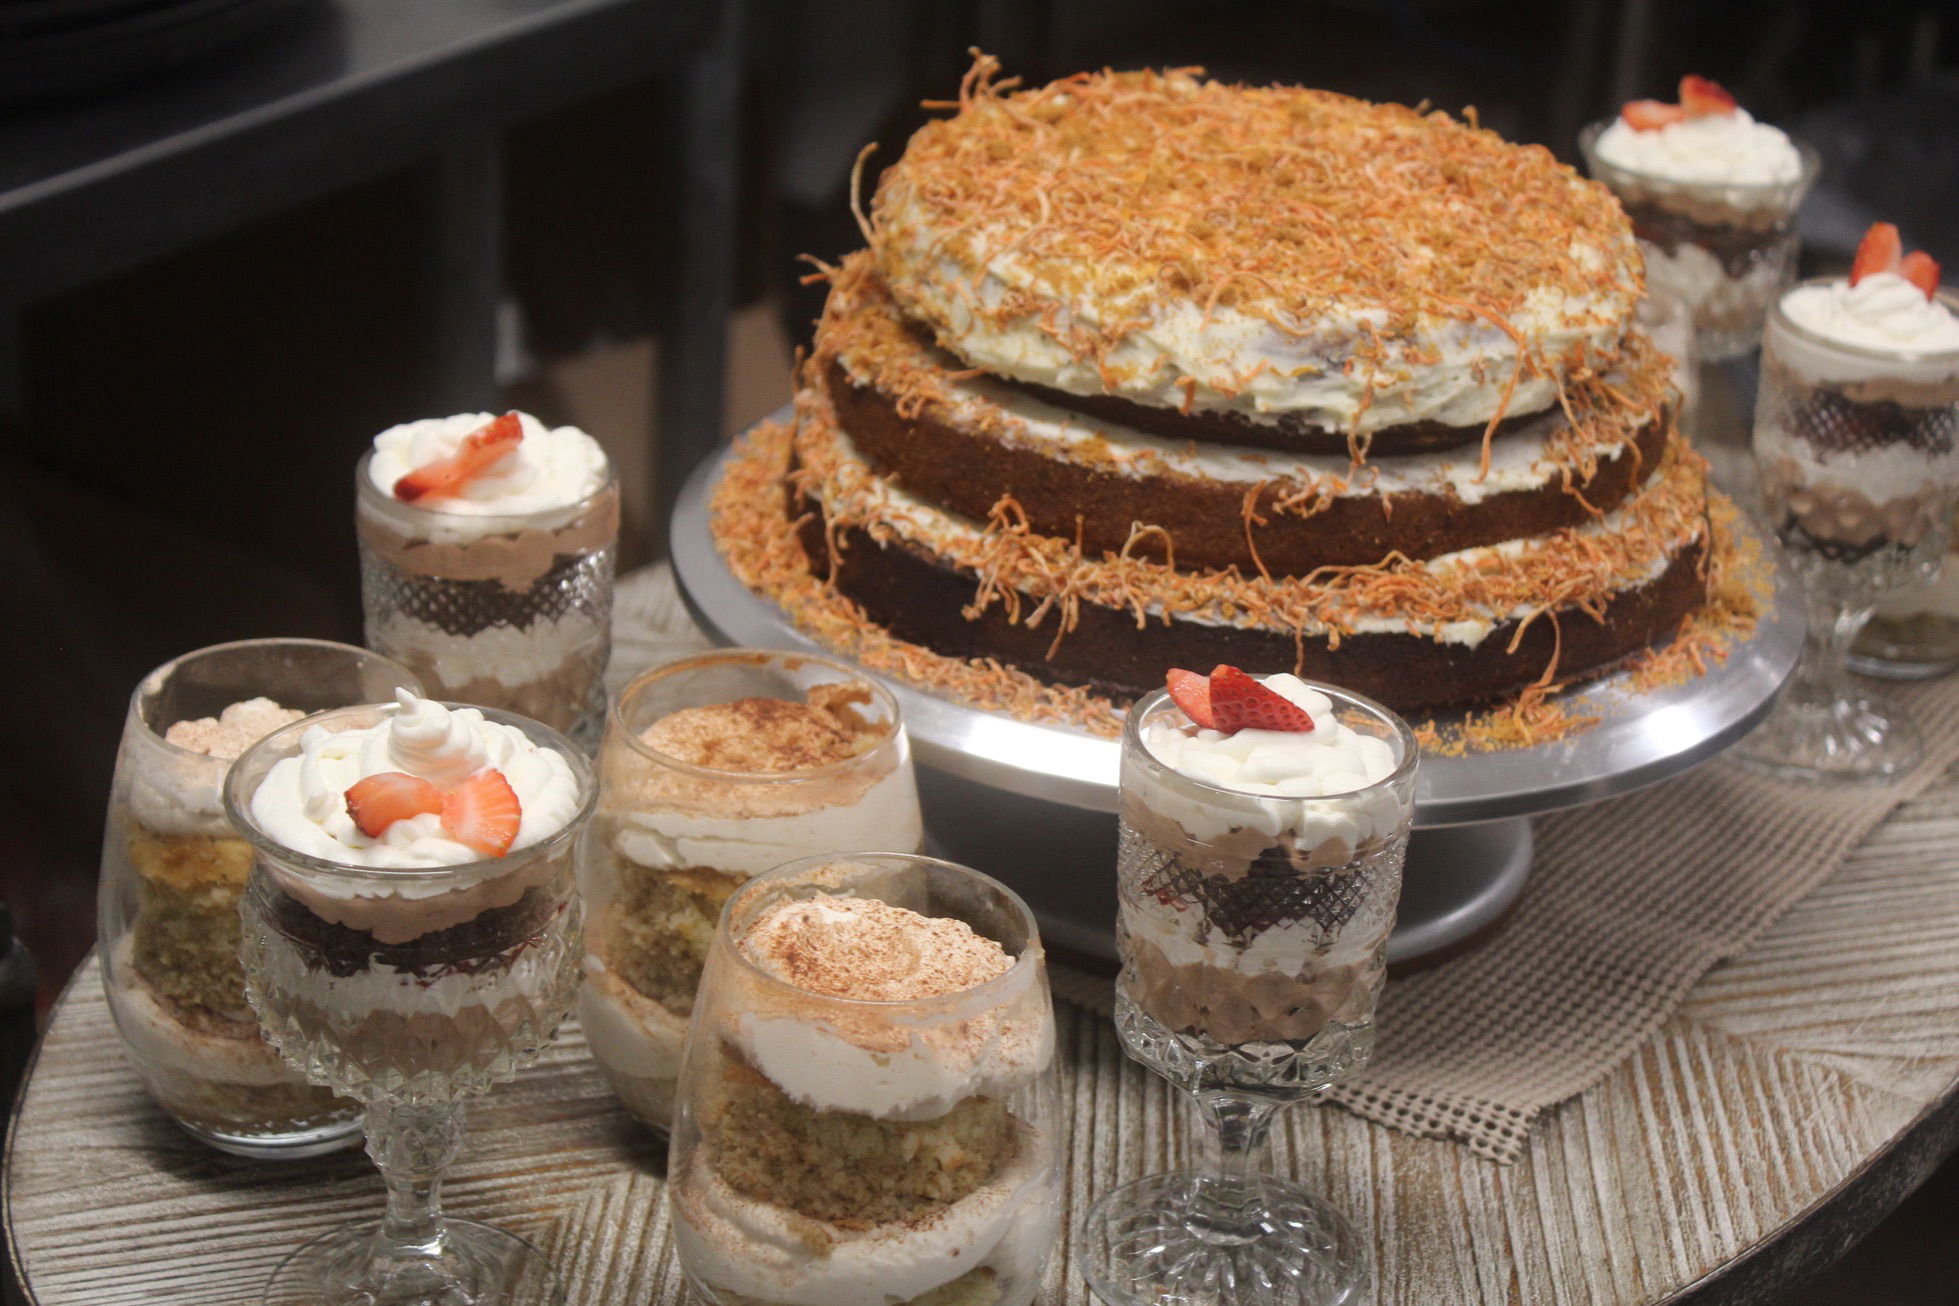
(365, 490)
(1132, 739)
(1811, 165)
(1033, 954)
(163, 670)
(1947, 295)
(616, 716)
(237, 807)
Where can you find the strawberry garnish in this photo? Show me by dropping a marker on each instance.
(1879, 251)
(1702, 97)
(1651, 115)
(1192, 693)
(1239, 702)
(482, 813)
(378, 801)
(1922, 270)
(480, 450)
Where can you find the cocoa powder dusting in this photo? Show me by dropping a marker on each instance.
(871, 951)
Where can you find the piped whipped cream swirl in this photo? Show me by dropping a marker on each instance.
(302, 802)
(551, 467)
(1882, 311)
(1729, 149)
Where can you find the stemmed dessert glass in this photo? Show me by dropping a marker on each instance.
(1253, 934)
(1858, 451)
(410, 990)
(829, 1147)
(173, 869)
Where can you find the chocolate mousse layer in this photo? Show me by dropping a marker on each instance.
(1733, 236)
(1228, 1006)
(514, 562)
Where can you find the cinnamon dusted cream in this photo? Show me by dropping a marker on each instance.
(870, 951)
(769, 734)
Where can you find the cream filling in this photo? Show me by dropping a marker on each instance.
(629, 1034)
(1448, 371)
(156, 1038)
(937, 531)
(758, 1250)
(508, 655)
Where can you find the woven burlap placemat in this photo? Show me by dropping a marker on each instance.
(1630, 902)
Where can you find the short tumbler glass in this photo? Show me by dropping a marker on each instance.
(173, 869)
(829, 1149)
(672, 840)
(511, 612)
(410, 990)
(1253, 932)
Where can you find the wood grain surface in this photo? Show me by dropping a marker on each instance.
(1778, 1094)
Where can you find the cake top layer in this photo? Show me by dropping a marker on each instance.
(1287, 254)
(870, 951)
(769, 735)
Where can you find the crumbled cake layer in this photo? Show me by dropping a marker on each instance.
(850, 1170)
(870, 951)
(770, 735)
(185, 932)
(657, 932)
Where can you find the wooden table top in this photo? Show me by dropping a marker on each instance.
(1796, 1097)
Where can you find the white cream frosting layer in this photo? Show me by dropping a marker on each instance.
(550, 474)
(884, 817)
(508, 655)
(1290, 951)
(1883, 474)
(1881, 312)
(759, 1251)
(302, 802)
(1723, 148)
(1448, 371)
(631, 1035)
(172, 792)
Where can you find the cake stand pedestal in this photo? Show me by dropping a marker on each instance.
(1035, 804)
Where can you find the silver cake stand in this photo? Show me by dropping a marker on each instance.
(1035, 804)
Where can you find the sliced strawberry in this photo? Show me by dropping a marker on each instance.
(1192, 693)
(483, 813)
(378, 801)
(1879, 251)
(1922, 270)
(480, 450)
(1702, 97)
(1651, 115)
(1239, 702)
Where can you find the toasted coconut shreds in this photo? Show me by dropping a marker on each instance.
(758, 539)
(1277, 202)
(752, 526)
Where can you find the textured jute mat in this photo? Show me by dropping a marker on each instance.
(1630, 902)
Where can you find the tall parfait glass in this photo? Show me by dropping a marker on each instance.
(1253, 930)
(410, 988)
(1858, 450)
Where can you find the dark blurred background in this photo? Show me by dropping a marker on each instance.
(177, 434)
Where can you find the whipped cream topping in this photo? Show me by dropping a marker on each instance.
(1316, 787)
(302, 802)
(551, 467)
(1882, 311)
(182, 792)
(1723, 148)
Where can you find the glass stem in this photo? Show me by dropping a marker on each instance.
(1823, 677)
(412, 1146)
(1238, 1129)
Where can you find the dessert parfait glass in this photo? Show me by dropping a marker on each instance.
(701, 791)
(173, 869)
(839, 1142)
(1858, 452)
(410, 990)
(1726, 248)
(1914, 633)
(510, 611)
(1253, 934)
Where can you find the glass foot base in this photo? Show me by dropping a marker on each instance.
(479, 1266)
(1161, 1241)
(334, 1137)
(1849, 740)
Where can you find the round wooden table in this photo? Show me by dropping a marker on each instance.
(1797, 1096)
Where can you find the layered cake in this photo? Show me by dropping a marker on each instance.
(860, 1134)
(1256, 904)
(487, 550)
(1712, 195)
(1858, 432)
(701, 799)
(415, 934)
(1142, 370)
(176, 988)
